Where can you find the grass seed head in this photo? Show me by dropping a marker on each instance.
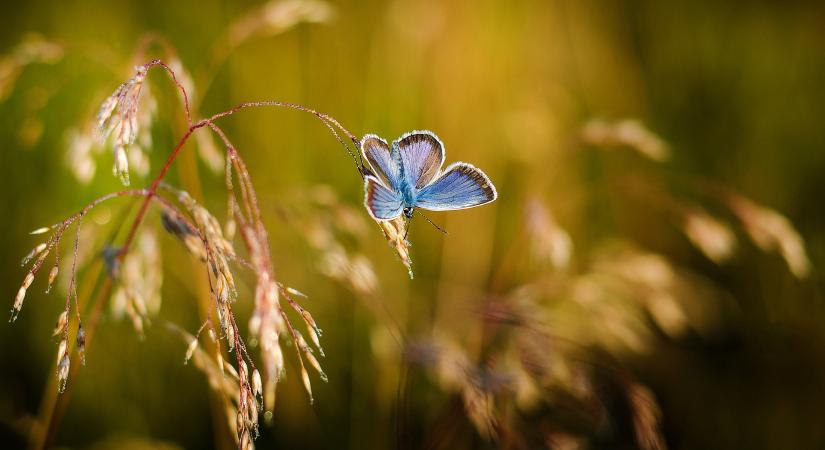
(52, 276)
(21, 296)
(62, 323)
(80, 339)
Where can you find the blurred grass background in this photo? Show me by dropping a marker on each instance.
(733, 88)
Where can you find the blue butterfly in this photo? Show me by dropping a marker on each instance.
(409, 176)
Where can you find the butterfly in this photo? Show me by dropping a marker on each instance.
(408, 175)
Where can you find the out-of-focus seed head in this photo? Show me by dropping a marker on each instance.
(120, 169)
(710, 236)
(276, 17)
(255, 324)
(257, 385)
(220, 363)
(230, 228)
(231, 371)
(362, 276)
(139, 281)
(548, 241)
(772, 231)
(209, 152)
(628, 133)
(269, 398)
(81, 152)
(105, 112)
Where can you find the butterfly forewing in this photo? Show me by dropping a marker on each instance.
(461, 186)
(377, 153)
(382, 202)
(420, 155)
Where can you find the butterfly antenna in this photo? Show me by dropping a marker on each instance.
(433, 224)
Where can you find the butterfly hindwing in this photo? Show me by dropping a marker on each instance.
(377, 153)
(420, 155)
(381, 202)
(460, 186)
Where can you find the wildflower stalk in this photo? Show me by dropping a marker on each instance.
(246, 213)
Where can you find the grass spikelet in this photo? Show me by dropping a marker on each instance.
(396, 233)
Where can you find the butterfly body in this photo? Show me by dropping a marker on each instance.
(408, 195)
(408, 175)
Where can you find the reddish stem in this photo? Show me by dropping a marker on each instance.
(153, 189)
(180, 87)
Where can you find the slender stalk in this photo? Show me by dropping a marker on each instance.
(153, 191)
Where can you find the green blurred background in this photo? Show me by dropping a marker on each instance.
(734, 89)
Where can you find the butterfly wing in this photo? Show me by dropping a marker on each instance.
(461, 186)
(382, 203)
(420, 155)
(377, 153)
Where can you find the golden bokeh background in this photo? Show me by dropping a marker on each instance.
(639, 149)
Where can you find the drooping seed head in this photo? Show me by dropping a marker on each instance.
(61, 349)
(21, 295)
(80, 339)
(62, 373)
(52, 277)
(40, 230)
(34, 252)
(307, 384)
(121, 164)
(257, 385)
(62, 323)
